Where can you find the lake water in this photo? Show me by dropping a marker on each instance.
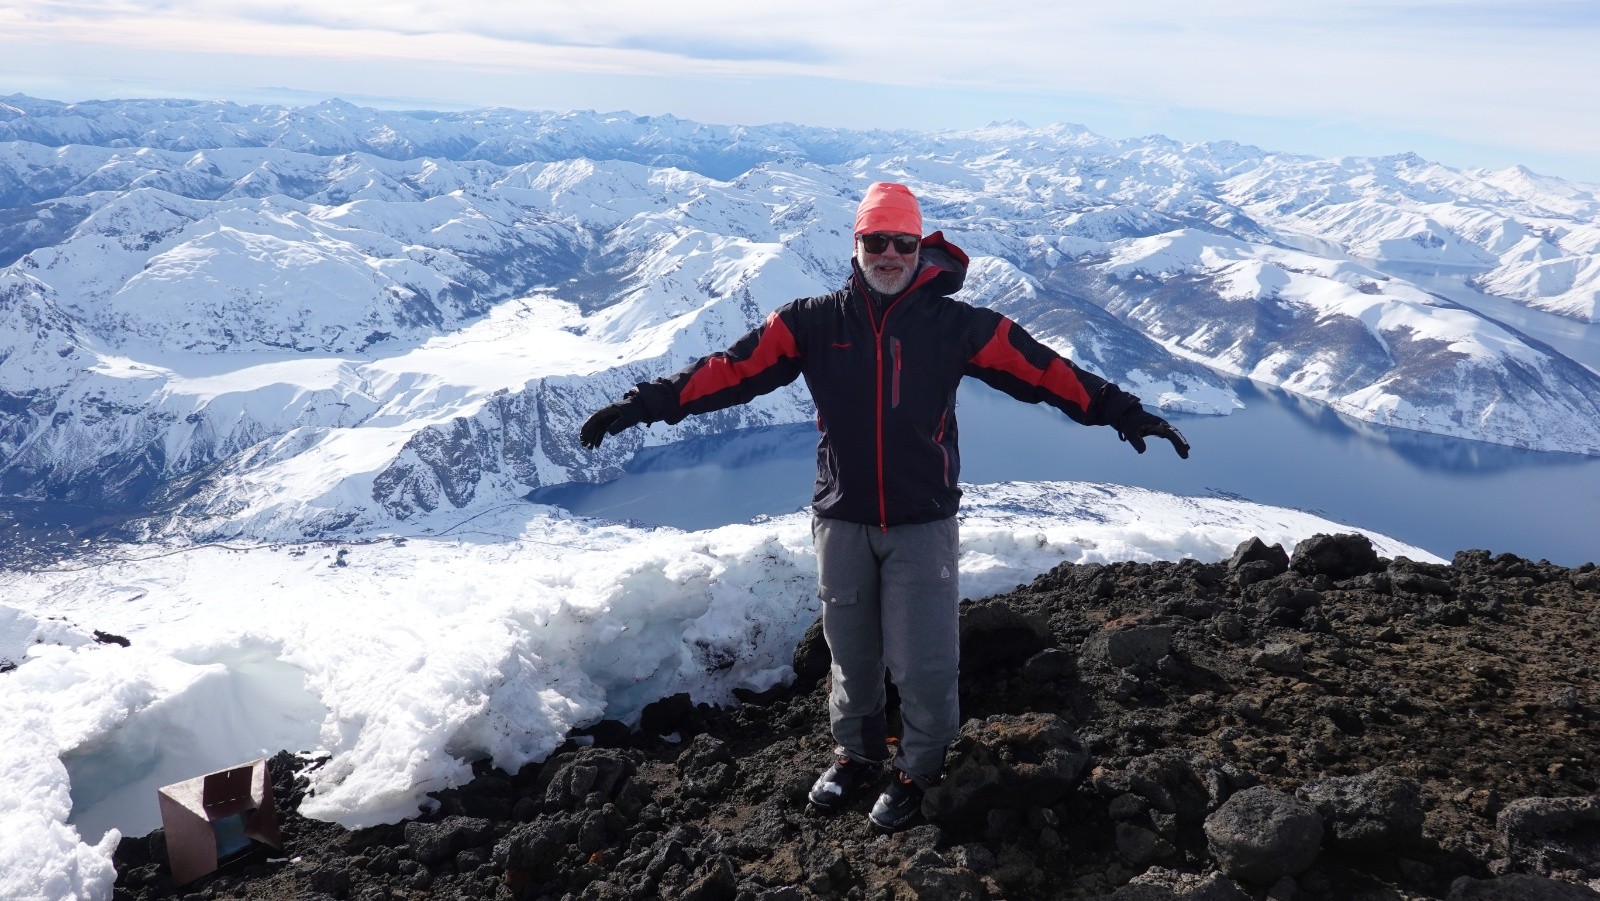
(1442, 494)
(1438, 493)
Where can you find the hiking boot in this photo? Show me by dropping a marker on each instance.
(841, 782)
(899, 804)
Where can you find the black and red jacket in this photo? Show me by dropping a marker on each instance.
(883, 377)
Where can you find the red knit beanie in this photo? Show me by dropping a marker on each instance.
(889, 207)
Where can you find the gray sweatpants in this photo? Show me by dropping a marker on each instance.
(890, 599)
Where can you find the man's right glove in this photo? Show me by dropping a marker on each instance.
(624, 414)
(1139, 423)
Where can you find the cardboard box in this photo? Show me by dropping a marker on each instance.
(212, 820)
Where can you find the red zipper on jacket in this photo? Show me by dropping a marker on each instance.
(883, 501)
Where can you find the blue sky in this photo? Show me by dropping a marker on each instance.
(1464, 82)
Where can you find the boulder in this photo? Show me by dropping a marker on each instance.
(1420, 583)
(668, 715)
(1280, 657)
(1530, 819)
(1257, 551)
(1008, 762)
(1340, 556)
(1377, 813)
(1127, 646)
(995, 634)
(434, 843)
(931, 878)
(1049, 665)
(1186, 786)
(530, 852)
(1261, 835)
(1256, 572)
(702, 753)
(1139, 846)
(1549, 834)
(573, 778)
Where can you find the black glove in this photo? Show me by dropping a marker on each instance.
(624, 414)
(1139, 423)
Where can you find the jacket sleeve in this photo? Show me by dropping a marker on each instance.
(1011, 360)
(765, 359)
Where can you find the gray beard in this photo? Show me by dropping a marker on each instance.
(891, 288)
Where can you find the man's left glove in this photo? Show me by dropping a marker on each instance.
(624, 414)
(1138, 424)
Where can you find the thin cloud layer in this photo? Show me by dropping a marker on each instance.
(1476, 74)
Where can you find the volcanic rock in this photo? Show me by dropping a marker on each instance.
(1260, 835)
(1440, 724)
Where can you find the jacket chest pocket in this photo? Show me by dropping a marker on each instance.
(896, 364)
(944, 452)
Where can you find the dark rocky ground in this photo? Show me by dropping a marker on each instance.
(1347, 727)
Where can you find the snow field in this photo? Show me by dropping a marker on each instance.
(402, 659)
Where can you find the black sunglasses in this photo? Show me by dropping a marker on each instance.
(905, 245)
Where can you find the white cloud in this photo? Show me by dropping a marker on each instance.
(1521, 77)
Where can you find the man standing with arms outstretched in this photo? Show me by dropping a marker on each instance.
(882, 357)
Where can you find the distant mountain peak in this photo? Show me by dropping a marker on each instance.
(319, 316)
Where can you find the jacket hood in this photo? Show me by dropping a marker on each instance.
(950, 260)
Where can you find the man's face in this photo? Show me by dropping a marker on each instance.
(889, 271)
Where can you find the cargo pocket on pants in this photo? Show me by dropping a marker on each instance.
(842, 597)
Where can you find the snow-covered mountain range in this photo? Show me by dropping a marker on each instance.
(276, 321)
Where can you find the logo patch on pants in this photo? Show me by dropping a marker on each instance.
(944, 572)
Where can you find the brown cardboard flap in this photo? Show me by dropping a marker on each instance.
(192, 809)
